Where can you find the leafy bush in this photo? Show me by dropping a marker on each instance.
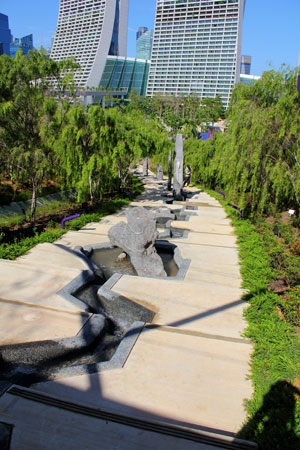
(19, 248)
(289, 306)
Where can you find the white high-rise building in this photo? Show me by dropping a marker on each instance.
(89, 31)
(196, 48)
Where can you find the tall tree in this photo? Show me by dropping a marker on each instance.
(263, 143)
(82, 158)
(26, 109)
(256, 161)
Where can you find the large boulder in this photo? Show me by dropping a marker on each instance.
(137, 238)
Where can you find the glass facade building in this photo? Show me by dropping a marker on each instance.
(249, 79)
(89, 31)
(196, 48)
(246, 65)
(5, 35)
(143, 43)
(25, 44)
(125, 74)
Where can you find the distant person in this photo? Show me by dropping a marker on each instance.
(187, 175)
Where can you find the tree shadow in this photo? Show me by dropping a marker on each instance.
(273, 425)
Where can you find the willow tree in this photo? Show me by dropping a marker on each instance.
(151, 136)
(210, 110)
(259, 158)
(129, 136)
(26, 110)
(83, 161)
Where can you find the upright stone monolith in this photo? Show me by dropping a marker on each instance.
(145, 167)
(170, 171)
(159, 172)
(178, 168)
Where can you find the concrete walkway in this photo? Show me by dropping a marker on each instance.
(182, 384)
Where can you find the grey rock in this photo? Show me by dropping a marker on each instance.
(164, 215)
(137, 238)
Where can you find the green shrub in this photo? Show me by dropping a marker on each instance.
(289, 305)
(19, 248)
(274, 410)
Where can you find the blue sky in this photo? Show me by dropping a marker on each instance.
(271, 33)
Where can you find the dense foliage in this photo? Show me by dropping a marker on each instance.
(256, 161)
(45, 134)
(26, 114)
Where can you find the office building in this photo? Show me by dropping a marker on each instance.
(245, 65)
(5, 35)
(143, 43)
(25, 44)
(141, 31)
(196, 48)
(89, 31)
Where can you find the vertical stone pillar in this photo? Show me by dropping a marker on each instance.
(159, 172)
(170, 171)
(145, 166)
(178, 168)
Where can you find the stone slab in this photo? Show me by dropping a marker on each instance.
(207, 308)
(37, 324)
(202, 226)
(57, 254)
(31, 430)
(189, 367)
(185, 379)
(200, 235)
(36, 286)
(74, 239)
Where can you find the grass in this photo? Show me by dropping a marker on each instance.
(11, 193)
(19, 248)
(15, 219)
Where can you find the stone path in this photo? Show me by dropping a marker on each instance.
(183, 381)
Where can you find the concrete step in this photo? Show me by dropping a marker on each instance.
(21, 323)
(41, 286)
(91, 427)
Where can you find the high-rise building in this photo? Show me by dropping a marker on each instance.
(89, 31)
(196, 48)
(245, 65)
(25, 44)
(143, 43)
(141, 31)
(5, 35)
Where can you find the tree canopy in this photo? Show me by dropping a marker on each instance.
(91, 149)
(256, 161)
(26, 112)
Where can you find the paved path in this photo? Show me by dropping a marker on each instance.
(187, 370)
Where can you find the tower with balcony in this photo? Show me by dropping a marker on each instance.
(89, 31)
(196, 48)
